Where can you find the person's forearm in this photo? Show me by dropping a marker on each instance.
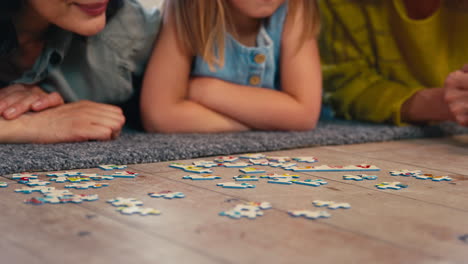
(13, 131)
(189, 117)
(260, 108)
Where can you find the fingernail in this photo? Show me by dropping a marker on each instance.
(10, 111)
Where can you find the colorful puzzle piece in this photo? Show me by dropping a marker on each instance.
(138, 210)
(77, 179)
(432, 177)
(178, 165)
(249, 210)
(278, 159)
(254, 156)
(328, 168)
(331, 204)
(309, 214)
(167, 194)
(279, 176)
(99, 177)
(251, 170)
(244, 177)
(287, 181)
(261, 162)
(60, 179)
(122, 202)
(3, 184)
(123, 174)
(112, 167)
(310, 182)
(205, 164)
(306, 159)
(201, 177)
(235, 185)
(391, 185)
(86, 185)
(236, 165)
(360, 177)
(35, 189)
(405, 173)
(223, 159)
(18, 176)
(65, 173)
(194, 169)
(36, 182)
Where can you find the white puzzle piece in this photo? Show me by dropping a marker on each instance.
(125, 202)
(391, 185)
(202, 177)
(109, 167)
(166, 194)
(235, 185)
(331, 204)
(310, 182)
(245, 177)
(138, 210)
(251, 170)
(309, 214)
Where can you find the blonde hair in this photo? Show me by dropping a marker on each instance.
(201, 25)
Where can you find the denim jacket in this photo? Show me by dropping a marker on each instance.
(251, 66)
(101, 68)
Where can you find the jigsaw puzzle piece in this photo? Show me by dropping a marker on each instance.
(245, 177)
(310, 182)
(110, 167)
(391, 185)
(202, 177)
(125, 202)
(313, 215)
(223, 159)
(306, 159)
(405, 173)
(3, 184)
(167, 194)
(251, 170)
(254, 156)
(331, 204)
(86, 185)
(235, 185)
(138, 210)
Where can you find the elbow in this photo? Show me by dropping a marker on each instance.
(156, 123)
(305, 125)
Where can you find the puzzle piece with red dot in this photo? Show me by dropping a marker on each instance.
(223, 159)
(18, 176)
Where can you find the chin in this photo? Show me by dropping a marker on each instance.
(91, 28)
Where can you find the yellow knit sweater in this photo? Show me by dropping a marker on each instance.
(375, 57)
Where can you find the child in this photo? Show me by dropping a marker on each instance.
(234, 65)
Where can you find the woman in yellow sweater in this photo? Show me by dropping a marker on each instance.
(397, 61)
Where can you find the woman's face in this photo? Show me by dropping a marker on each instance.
(83, 17)
(256, 8)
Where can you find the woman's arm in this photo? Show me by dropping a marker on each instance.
(74, 122)
(295, 107)
(165, 105)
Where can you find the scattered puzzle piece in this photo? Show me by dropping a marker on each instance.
(310, 182)
(128, 202)
(279, 176)
(287, 181)
(254, 156)
(287, 165)
(245, 177)
(306, 159)
(205, 164)
(18, 176)
(360, 177)
(60, 179)
(252, 170)
(63, 174)
(432, 177)
(194, 169)
(112, 167)
(167, 194)
(28, 190)
(236, 165)
(331, 204)
(223, 159)
(123, 174)
(309, 214)
(405, 173)
(86, 185)
(78, 179)
(36, 182)
(391, 185)
(261, 162)
(278, 159)
(3, 184)
(329, 168)
(249, 210)
(178, 165)
(99, 177)
(235, 185)
(201, 177)
(138, 210)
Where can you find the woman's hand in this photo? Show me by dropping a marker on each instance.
(456, 95)
(74, 122)
(18, 99)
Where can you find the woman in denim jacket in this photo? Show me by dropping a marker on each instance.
(72, 51)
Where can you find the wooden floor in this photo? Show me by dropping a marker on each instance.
(420, 224)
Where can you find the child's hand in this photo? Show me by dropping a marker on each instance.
(18, 99)
(456, 95)
(73, 122)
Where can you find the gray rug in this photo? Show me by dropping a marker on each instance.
(137, 147)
